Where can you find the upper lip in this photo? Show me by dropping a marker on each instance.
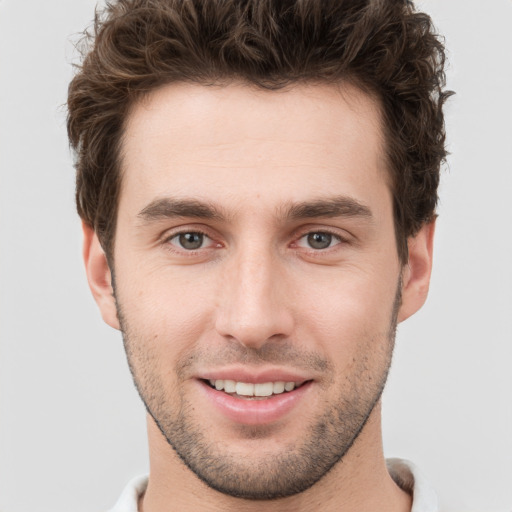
(254, 376)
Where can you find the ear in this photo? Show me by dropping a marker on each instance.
(99, 276)
(416, 274)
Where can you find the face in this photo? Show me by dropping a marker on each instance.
(257, 280)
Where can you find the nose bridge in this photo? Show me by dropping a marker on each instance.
(253, 306)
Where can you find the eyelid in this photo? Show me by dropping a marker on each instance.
(341, 234)
(186, 228)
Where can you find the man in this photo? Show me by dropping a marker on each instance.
(257, 182)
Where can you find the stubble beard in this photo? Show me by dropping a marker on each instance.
(271, 476)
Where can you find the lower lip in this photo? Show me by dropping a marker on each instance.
(255, 412)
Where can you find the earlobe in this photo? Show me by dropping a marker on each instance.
(416, 274)
(99, 276)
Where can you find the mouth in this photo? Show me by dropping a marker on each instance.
(253, 391)
(254, 399)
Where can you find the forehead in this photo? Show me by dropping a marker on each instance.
(286, 145)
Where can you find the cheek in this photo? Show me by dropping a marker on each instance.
(164, 309)
(349, 315)
(161, 327)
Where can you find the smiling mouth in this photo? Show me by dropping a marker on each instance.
(250, 391)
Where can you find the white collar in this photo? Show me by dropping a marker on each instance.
(404, 473)
(410, 479)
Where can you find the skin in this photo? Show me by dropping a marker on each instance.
(256, 296)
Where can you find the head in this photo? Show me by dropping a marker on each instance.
(261, 178)
(386, 49)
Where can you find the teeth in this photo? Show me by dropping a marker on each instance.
(263, 389)
(289, 386)
(229, 386)
(248, 389)
(244, 389)
(278, 387)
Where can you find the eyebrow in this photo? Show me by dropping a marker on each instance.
(339, 206)
(166, 208)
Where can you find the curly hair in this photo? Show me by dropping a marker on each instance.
(385, 47)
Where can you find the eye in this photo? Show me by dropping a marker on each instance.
(190, 240)
(319, 240)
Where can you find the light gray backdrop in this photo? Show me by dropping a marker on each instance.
(72, 429)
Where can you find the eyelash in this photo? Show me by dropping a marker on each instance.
(335, 235)
(167, 241)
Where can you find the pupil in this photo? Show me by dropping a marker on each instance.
(319, 240)
(191, 240)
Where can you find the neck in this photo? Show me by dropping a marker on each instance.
(360, 481)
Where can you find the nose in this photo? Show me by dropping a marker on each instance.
(254, 300)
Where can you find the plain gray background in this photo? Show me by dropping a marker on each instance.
(72, 430)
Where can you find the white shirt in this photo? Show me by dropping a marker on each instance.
(403, 472)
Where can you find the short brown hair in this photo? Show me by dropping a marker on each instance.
(384, 47)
